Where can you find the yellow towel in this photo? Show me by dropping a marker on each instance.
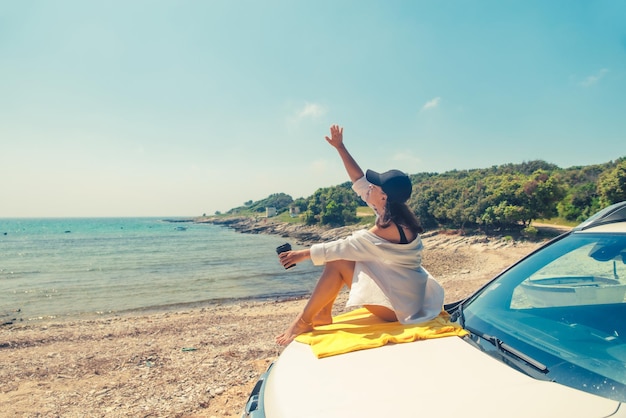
(360, 330)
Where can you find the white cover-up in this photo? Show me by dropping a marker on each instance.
(385, 273)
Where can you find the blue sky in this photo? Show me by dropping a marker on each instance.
(179, 108)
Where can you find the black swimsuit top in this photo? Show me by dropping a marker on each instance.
(403, 239)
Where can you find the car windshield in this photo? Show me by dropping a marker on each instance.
(563, 307)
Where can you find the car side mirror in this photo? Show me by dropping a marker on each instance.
(607, 252)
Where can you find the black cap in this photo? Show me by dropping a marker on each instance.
(396, 184)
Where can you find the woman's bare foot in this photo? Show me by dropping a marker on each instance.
(296, 328)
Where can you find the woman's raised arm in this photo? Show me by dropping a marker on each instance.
(336, 141)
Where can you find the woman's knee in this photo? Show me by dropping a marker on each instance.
(344, 268)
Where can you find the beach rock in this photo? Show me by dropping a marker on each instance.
(303, 234)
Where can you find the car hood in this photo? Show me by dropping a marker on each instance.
(439, 377)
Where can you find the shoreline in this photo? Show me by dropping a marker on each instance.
(302, 234)
(13, 317)
(18, 312)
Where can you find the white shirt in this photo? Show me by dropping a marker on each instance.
(414, 295)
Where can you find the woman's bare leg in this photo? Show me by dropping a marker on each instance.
(382, 312)
(318, 309)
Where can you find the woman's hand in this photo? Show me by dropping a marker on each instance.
(336, 140)
(289, 258)
(336, 136)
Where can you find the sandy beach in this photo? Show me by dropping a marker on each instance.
(200, 362)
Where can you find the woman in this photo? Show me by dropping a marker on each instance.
(381, 266)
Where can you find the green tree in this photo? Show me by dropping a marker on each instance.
(580, 202)
(301, 204)
(612, 185)
(542, 192)
(334, 206)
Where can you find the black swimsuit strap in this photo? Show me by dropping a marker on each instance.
(403, 239)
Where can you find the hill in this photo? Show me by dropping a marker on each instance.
(508, 196)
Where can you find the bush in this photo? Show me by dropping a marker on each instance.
(530, 231)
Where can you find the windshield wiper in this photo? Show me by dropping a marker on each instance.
(457, 313)
(498, 343)
(503, 347)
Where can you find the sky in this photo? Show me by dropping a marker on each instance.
(183, 108)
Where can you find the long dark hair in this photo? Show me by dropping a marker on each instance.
(400, 214)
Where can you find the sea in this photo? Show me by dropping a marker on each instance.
(79, 268)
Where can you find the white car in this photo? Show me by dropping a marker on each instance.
(547, 338)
